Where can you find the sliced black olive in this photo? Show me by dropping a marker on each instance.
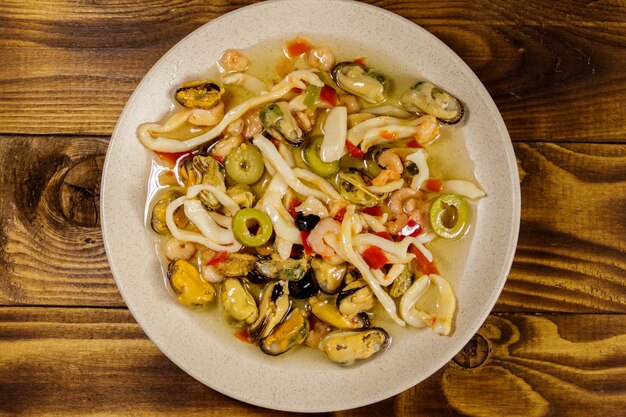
(306, 222)
(305, 287)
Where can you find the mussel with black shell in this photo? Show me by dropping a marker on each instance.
(426, 97)
(369, 84)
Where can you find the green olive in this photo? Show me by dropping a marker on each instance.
(245, 164)
(246, 218)
(312, 156)
(449, 216)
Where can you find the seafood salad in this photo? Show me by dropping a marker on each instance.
(302, 203)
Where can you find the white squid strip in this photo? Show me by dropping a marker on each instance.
(391, 258)
(355, 259)
(465, 188)
(285, 152)
(145, 131)
(379, 135)
(387, 188)
(335, 130)
(387, 279)
(198, 215)
(297, 103)
(273, 158)
(272, 205)
(355, 134)
(188, 236)
(224, 221)
(441, 319)
(295, 79)
(419, 158)
(283, 247)
(374, 223)
(320, 182)
(399, 249)
(388, 110)
(248, 82)
(224, 199)
(313, 206)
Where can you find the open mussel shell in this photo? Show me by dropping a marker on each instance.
(327, 311)
(238, 305)
(369, 84)
(280, 123)
(287, 335)
(345, 348)
(274, 306)
(192, 291)
(164, 199)
(305, 287)
(199, 94)
(329, 277)
(355, 298)
(426, 98)
(286, 269)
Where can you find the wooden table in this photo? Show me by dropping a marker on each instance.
(555, 343)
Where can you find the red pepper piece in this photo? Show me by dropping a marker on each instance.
(297, 47)
(374, 211)
(354, 150)
(173, 157)
(244, 336)
(434, 185)
(385, 235)
(374, 257)
(329, 95)
(412, 229)
(218, 258)
(340, 214)
(293, 204)
(414, 144)
(307, 248)
(359, 61)
(424, 264)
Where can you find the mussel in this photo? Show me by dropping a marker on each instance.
(345, 348)
(199, 94)
(355, 298)
(426, 97)
(203, 170)
(274, 306)
(402, 282)
(287, 335)
(328, 312)
(238, 305)
(329, 277)
(192, 291)
(305, 287)
(369, 84)
(236, 265)
(285, 269)
(242, 195)
(157, 219)
(353, 188)
(279, 123)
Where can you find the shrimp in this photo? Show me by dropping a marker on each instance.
(207, 117)
(235, 128)
(324, 238)
(225, 146)
(384, 177)
(404, 205)
(321, 58)
(176, 249)
(351, 102)
(233, 61)
(427, 130)
(390, 160)
(252, 123)
(306, 119)
(398, 198)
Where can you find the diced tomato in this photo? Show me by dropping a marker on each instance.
(354, 150)
(424, 264)
(173, 157)
(218, 258)
(304, 234)
(414, 144)
(411, 229)
(359, 61)
(374, 211)
(297, 47)
(297, 90)
(433, 185)
(329, 95)
(243, 335)
(340, 214)
(292, 207)
(384, 234)
(388, 135)
(374, 257)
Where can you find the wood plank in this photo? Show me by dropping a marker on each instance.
(539, 68)
(60, 361)
(570, 255)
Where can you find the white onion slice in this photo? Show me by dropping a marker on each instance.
(419, 158)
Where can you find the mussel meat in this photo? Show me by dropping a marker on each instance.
(353, 188)
(236, 265)
(274, 306)
(329, 277)
(369, 84)
(345, 348)
(326, 311)
(238, 305)
(426, 97)
(402, 282)
(192, 291)
(287, 335)
(199, 94)
(285, 269)
(279, 123)
(355, 298)
(203, 170)
(157, 220)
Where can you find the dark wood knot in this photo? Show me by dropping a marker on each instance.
(474, 353)
(80, 192)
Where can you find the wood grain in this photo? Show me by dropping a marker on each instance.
(60, 361)
(569, 256)
(540, 68)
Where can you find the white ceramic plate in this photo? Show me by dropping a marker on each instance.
(304, 380)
